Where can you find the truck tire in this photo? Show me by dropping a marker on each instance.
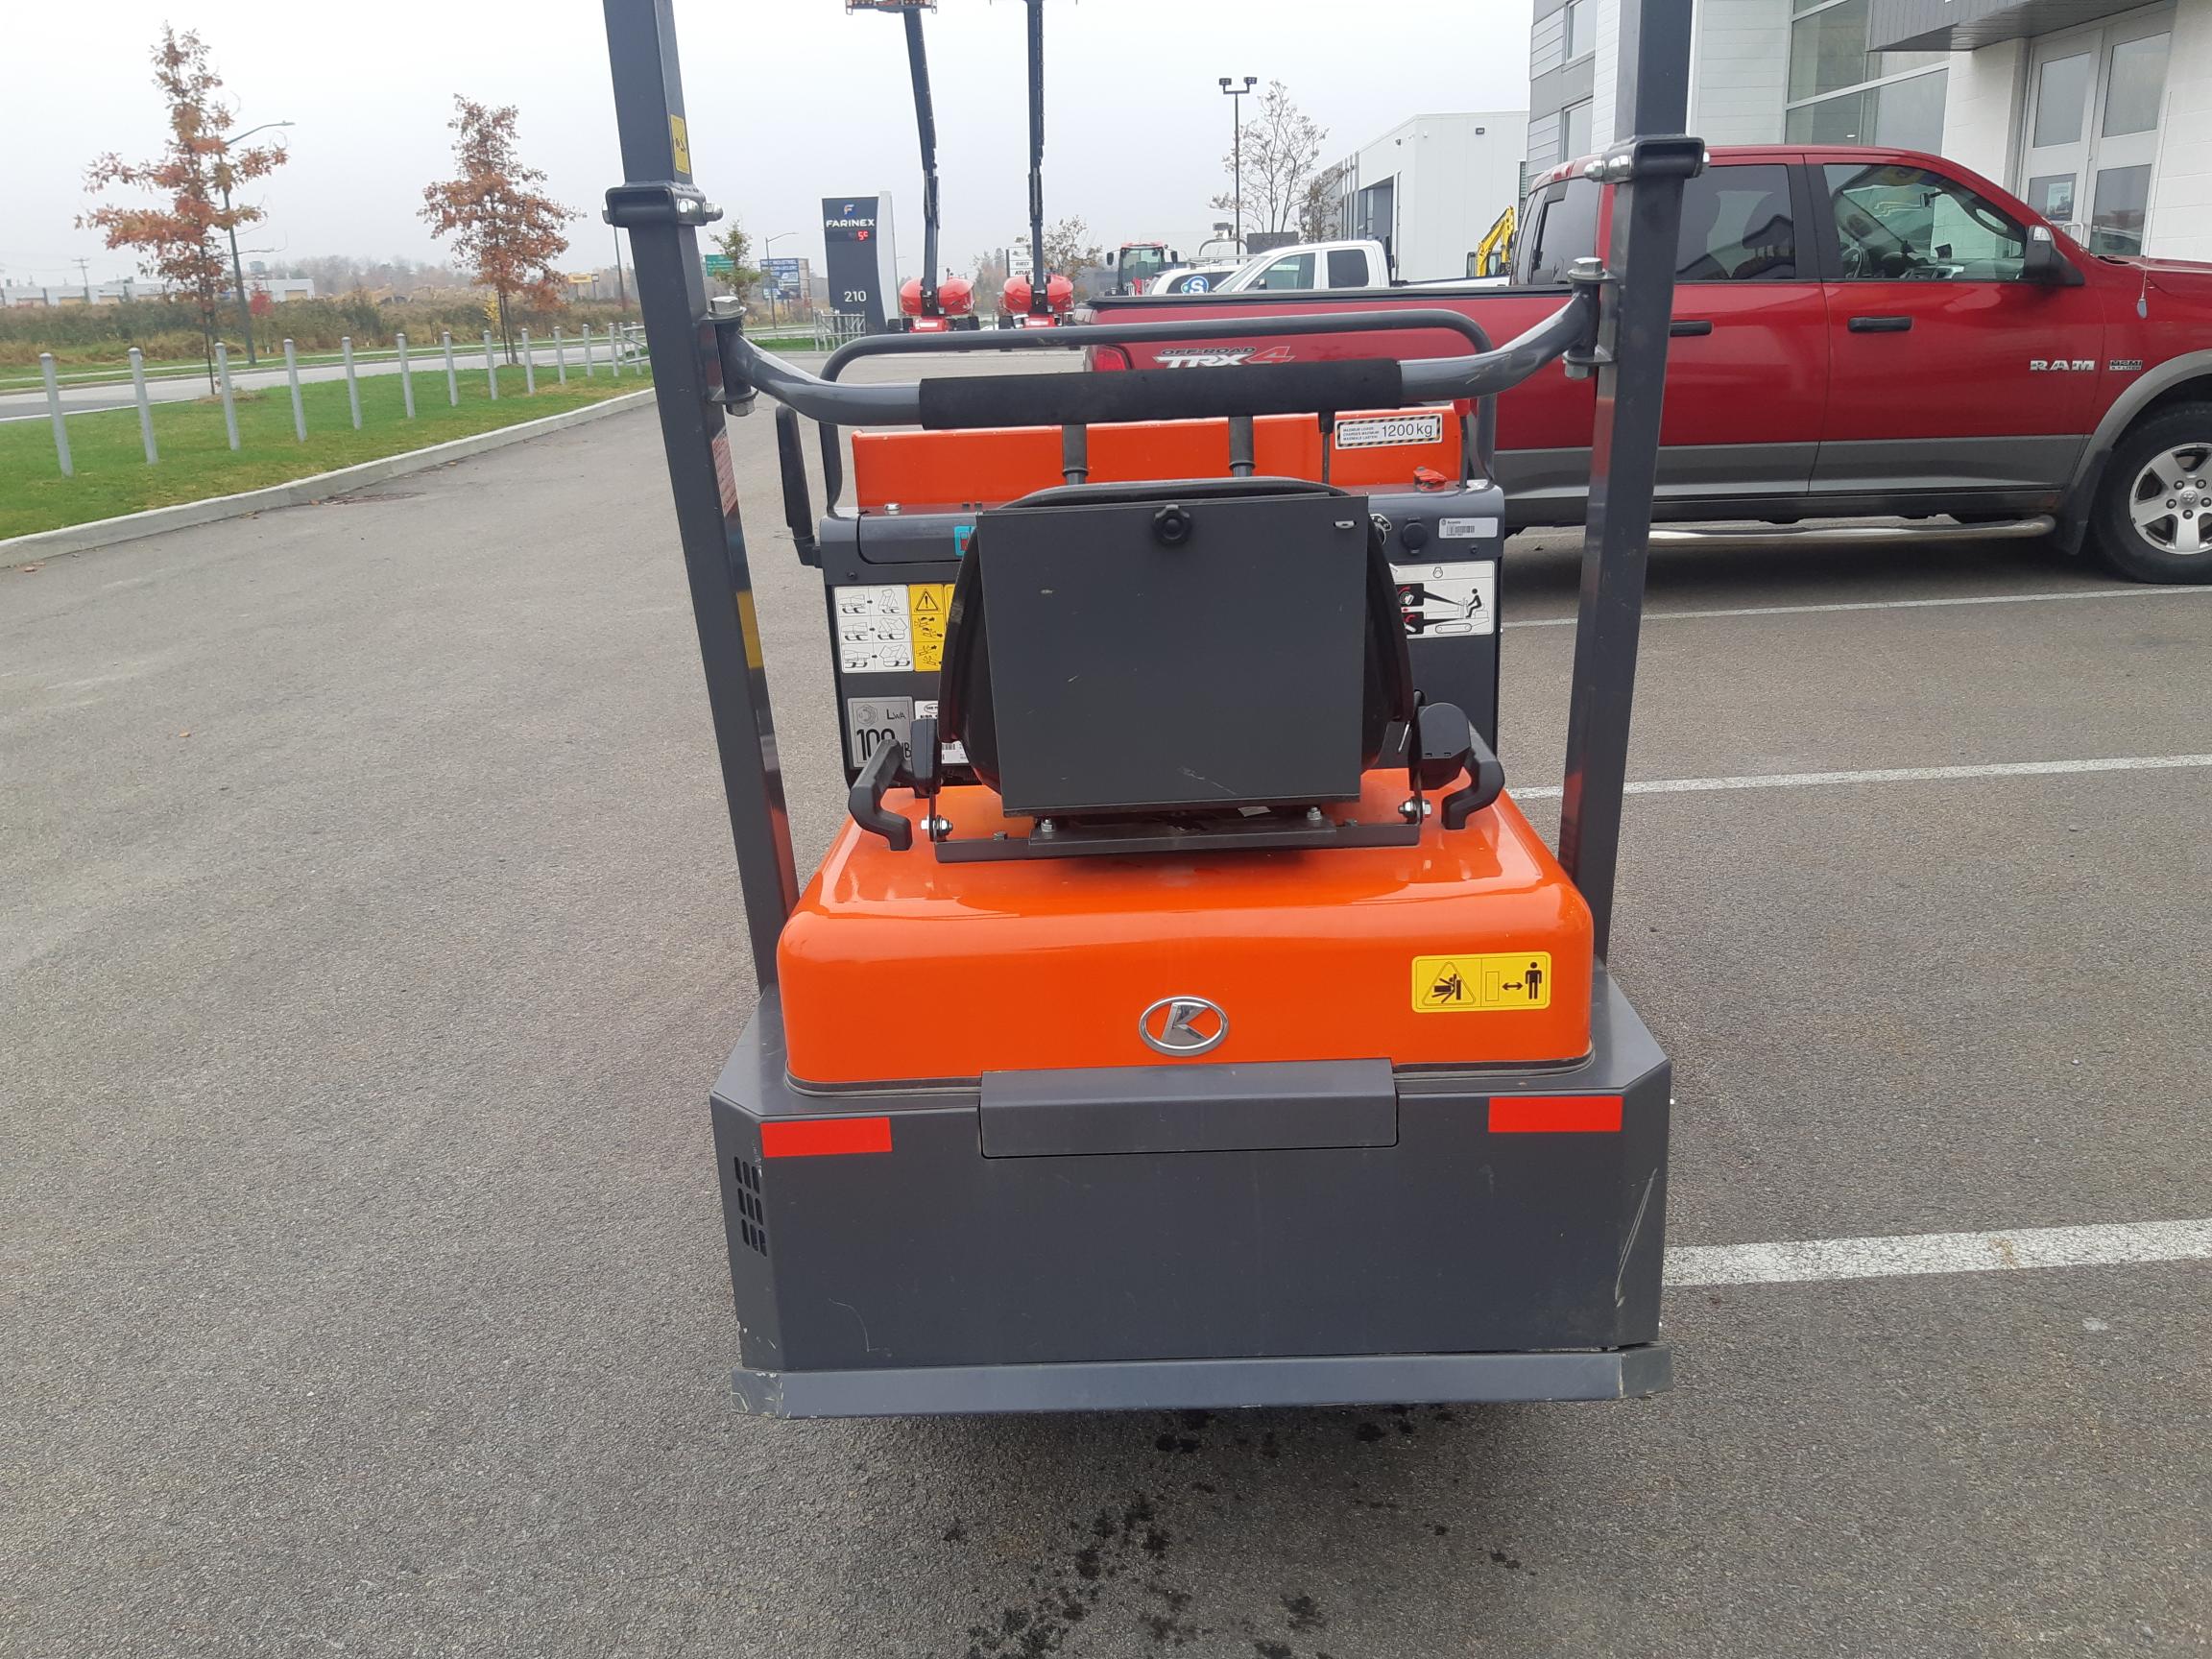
(2152, 521)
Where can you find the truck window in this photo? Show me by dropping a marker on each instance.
(1897, 222)
(1293, 270)
(1737, 227)
(1566, 231)
(1348, 268)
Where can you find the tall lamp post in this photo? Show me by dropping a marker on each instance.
(765, 247)
(1237, 146)
(237, 274)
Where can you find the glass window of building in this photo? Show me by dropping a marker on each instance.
(1840, 92)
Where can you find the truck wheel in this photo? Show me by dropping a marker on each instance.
(2154, 516)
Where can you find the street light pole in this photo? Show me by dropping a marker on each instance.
(230, 228)
(1237, 147)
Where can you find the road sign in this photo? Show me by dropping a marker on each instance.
(782, 276)
(719, 264)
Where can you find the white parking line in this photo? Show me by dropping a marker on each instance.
(1689, 1265)
(1892, 774)
(2137, 592)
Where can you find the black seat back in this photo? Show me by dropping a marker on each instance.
(1205, 646)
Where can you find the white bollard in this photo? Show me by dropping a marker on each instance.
(614, 349)
(406, 380)
(299, 410)
(529, 368)
(452, 383)
(53, 408)
(145, 405)
(560, 354)
(588, 370)
(229, 406)
(352, 386)
(490, 366)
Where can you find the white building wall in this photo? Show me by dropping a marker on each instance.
(1738, 71)
(1454, 175)
(2180, 221)
(1605, 71)
(1981, 108)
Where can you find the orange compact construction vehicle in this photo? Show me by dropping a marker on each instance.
(1185, 1014)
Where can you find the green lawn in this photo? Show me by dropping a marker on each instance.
(112, 476)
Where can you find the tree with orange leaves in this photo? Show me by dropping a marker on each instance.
(507, 231)
(177, 241)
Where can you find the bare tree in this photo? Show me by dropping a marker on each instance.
(1068, 249)
(1281, 147)
(1321, 205)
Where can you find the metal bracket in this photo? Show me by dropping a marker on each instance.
(661, 203)
(736, 391)
(1675, 155)
(1589, 275)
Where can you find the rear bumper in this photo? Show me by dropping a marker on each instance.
(1174, 1384)
(897, 1252)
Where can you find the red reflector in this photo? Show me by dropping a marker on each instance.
(820, 1137)
(1554, 1113)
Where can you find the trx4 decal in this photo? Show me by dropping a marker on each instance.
(1219, 357)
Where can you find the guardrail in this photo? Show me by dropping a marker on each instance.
(612, 349)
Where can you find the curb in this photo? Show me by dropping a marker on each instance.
(303, 491)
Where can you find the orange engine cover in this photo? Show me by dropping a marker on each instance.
(1469, 948)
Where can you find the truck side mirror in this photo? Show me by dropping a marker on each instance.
(2044, 264)
(1174, 256)
(1113, 259)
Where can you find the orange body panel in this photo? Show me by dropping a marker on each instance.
(894, 967)
(926, 471)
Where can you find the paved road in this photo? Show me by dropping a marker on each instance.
(371, 938)
(426, 360)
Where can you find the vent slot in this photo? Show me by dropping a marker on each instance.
(751, 1213)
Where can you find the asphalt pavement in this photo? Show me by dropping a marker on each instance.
(371, 936)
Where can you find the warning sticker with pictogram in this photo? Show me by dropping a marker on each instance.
(926, 603)
(1486, 983)
(1455, 597)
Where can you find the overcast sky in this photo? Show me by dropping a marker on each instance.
(789, 102)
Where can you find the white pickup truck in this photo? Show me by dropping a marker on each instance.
(1334, 265)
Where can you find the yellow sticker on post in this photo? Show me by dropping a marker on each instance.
(1488, 982)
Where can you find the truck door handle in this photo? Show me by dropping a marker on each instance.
(1684, 326)
(1880, 324)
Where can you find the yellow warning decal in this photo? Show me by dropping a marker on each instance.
(680, 142)
(1487, 984)
(926, 603)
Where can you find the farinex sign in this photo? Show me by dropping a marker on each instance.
(860, 256)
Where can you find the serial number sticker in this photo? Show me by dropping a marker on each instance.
(1467, 529)
(1485, 983)
(1439, 601)
(1381, 431)
(952, 754)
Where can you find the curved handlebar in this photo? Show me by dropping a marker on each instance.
(1164, 393)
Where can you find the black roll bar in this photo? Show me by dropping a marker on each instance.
(1478, 376)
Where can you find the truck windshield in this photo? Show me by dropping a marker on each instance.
(1139, 267)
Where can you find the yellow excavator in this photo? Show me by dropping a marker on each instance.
(1495, 252)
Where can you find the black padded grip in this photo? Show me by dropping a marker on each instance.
(956, 404)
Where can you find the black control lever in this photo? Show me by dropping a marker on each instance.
(1489, 782)
(886, 769)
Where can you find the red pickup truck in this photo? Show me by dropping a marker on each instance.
(1857, 333)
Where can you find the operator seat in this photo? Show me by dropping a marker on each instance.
(1211, 647)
